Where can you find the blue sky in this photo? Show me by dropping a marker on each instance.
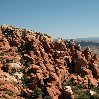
(57, 18)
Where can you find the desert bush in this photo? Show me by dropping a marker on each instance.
(24, 81)
(37, 92)
(47, 97)
(9, 92)
(83, 95)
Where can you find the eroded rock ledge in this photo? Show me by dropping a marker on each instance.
(33, 66)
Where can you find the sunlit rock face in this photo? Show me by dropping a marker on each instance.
(33, 66)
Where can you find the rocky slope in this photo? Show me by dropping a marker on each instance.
(33, 66)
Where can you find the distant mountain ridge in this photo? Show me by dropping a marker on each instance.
(93, 39)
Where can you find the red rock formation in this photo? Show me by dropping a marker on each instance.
(31, 62)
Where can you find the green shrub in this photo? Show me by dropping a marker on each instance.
(96, 89)
(83, 95)
(1, 54)
(9, 92)
(37, 92)
(24, 81)
(74, 88)
(47, 97)
(27, 64)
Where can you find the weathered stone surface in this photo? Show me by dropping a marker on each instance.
(31, 63)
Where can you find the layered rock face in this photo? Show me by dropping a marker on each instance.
(33, 66)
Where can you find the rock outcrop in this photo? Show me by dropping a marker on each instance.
(32, 65)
